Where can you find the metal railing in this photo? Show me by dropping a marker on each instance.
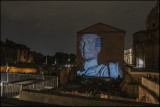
(50, 83)
(13, 89)
(10, 90)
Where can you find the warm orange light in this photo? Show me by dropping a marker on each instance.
(28, 70)
(14, 69)
(19, 70)
(69, 60)
(2, 68)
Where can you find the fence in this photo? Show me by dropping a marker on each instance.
(13, 89)
(43, 84)
(13, 77)
(10, 90)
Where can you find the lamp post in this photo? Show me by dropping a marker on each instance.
(69, 58)
(7, 67)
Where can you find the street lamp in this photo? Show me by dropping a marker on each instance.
(69, 57)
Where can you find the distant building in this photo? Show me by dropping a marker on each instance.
(146, 42)
(128, 56)
(8, 53)
(112, 49)
(38, 58)
(18, 57)
(13, 53)
(64, 59)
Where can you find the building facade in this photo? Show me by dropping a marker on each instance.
(146, 42)
(16, 57)
(112, 49)
(128, 56)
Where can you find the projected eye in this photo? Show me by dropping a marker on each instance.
(98, 42)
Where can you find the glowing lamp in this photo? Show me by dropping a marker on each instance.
(68, 59)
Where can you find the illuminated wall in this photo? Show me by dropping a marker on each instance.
(19, 70)
(128, 56)
(2, 69)
(110, 51)
(90, 46)
(30, 58)
(139, 63)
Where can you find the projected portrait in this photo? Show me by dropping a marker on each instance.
(90, 46)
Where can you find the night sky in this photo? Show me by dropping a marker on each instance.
(51, 26)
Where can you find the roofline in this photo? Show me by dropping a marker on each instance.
(102, 24)
(142, 31)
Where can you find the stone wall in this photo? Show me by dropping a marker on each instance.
(151, 85)
(131, 82)
(148, 91)
(147, 96)
(72, 100)
(136, 76)
(132, 90)
(102, 95)
(128, 88)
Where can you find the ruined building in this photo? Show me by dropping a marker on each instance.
(13, 53)
(16, 56)
(146, 42)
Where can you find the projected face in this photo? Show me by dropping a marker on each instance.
(90, 46)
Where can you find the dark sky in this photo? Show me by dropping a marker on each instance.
(50, 26)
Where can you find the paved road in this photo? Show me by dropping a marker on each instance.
(17, 102)
(5, 104)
